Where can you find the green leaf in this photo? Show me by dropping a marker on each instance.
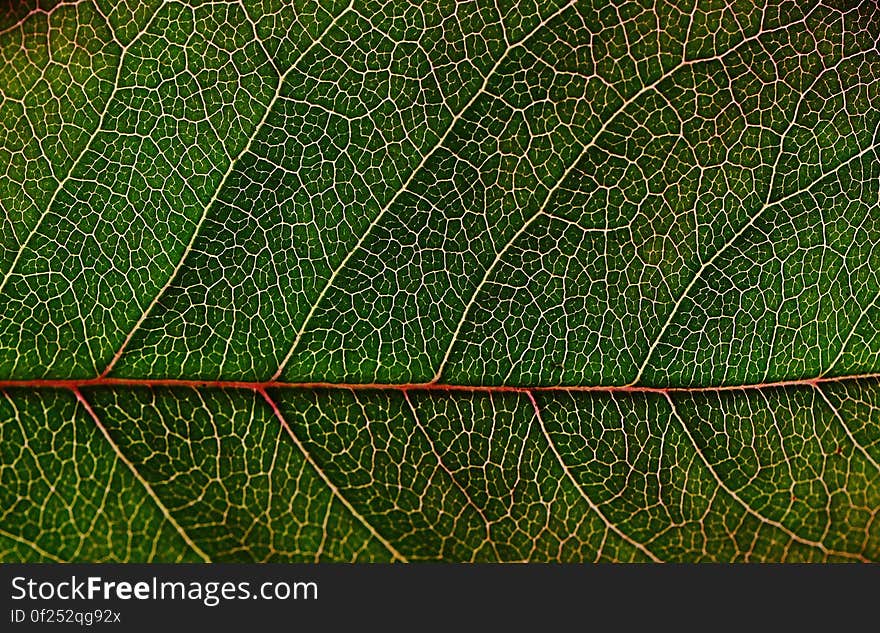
(443, 280)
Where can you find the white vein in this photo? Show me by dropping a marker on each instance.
(405, 186)
(232, 164)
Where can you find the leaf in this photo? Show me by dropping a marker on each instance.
(447, 280)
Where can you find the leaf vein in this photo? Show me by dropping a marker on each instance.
(134, 471)
(570, 476)
(455, 119)
(203, 216)
(749, 509)
(320, 472)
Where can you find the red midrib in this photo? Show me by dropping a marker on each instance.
(76, 383)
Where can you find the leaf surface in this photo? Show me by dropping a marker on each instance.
(443, 280)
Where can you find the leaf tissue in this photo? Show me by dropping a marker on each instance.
(476, 280)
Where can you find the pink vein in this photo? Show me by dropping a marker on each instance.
(261, 386)
(137, 475)
(336, 492)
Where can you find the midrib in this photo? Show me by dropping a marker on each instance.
(258, 386)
